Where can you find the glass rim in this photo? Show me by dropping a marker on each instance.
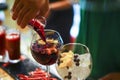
(49, 30)
(76, 44)
(13, 31)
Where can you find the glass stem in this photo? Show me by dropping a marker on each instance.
(48, 72)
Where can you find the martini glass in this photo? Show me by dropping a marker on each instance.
(74, 62)
(46, 52)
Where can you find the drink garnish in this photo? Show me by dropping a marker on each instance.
(66, 59)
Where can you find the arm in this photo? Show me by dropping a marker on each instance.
(60, 5)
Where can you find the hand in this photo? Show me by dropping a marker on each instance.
(25, 10)
(48, 14)
(111, 76)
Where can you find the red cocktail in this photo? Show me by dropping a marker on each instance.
(2, 41)
(45, 53)
(13, 44)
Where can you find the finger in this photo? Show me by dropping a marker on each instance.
(21, 14)
(15, 3)
(16, 10)
(27, 17)
(43, 12)
(45, 9)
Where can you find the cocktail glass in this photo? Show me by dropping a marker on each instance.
(46, 52)
(74, 62)
(13, 45)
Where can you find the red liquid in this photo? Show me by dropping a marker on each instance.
(13, 45)
(39, 28)
(2, 42)
(44, 54)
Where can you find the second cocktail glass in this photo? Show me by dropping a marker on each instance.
(74, 62)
